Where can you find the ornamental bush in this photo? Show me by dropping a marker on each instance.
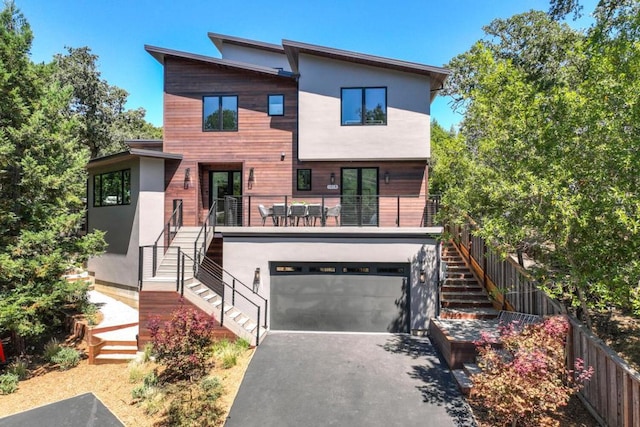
(526, 378)
(183, 343)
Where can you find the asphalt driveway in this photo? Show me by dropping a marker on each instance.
(307, 379)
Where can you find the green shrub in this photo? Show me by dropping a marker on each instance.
(147, 352)
(136, 371)
(8, 383)
(20, 368)
(51, 349)
(242, 344)
(211, 388)
(90, 312)
(66, 358)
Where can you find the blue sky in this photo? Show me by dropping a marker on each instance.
(425, 31)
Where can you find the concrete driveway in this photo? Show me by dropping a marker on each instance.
(307, 379)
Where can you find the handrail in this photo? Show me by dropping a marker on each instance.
(204, 228)
(218, 269)
(177, 213)
(216, 275)
(181, 270)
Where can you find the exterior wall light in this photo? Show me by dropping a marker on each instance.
(332, 178)
(252, 179)
(187, 178)
(423, 277)
(387, 178)
(282, 155)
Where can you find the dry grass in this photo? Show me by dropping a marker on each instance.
(110, 383)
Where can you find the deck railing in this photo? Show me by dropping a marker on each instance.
(613, 392)
(326, 211)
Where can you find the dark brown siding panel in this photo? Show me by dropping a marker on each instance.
(257, 144)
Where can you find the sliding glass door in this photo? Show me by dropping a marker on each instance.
(226, 191)
(359, 196)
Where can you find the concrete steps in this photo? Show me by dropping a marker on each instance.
(234, 319)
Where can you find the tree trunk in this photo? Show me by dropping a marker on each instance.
(583, 304)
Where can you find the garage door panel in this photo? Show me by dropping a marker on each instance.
(366, 303)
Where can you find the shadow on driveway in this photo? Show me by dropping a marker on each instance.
(437, 384)
(307, 379)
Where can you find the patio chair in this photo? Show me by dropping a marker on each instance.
(298, 212)
(265, 213)
(334, 212)
(279, 214)
(314, 212)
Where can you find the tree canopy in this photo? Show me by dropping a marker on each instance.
(44, 147)
(550, 146)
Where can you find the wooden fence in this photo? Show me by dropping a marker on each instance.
(613, 393)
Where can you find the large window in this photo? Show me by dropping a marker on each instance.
(112, 188)
(220, 113)
(364, 106)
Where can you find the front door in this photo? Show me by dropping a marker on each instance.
(359, 196)
(226, 192)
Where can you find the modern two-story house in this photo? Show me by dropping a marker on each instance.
(291, 181)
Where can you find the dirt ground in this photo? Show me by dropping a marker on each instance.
(110, 383)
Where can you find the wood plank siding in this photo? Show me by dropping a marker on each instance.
(162, 305)
(259, 143)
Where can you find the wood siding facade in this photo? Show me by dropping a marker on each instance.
(266, 144)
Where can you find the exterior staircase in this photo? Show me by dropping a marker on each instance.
(118, 346)
(206, 288)
(461, 295)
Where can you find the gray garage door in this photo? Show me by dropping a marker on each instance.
(339, 297)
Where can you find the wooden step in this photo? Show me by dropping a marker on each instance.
(119, 349)
(464, 295)
(461, 288)
(469, 313)
(471, 369)
(465, 384)
(102, 359)
(466, 303)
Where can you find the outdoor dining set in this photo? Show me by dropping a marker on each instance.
(299, 214)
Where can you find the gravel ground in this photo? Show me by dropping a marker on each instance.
(110, 383)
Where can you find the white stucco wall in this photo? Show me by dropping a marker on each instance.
(255, 56)
(151, 204)
(321, 136)
(242, 255)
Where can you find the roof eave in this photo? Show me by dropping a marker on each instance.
(160, 53)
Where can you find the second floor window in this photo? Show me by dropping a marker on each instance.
(220, 113)
(364, 106)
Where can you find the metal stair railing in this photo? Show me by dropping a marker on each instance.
(213, 276)
(200, 249)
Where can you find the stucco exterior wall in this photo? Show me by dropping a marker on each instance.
(406, 135)
(255, 56)
(128, 226)
(242, 255)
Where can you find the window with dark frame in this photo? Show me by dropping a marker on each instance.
(220, 113)
(112, 188)
(304, 179)
(363, 106)
(276, 105)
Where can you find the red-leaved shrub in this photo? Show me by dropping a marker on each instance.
(183, 343)
(527, 379)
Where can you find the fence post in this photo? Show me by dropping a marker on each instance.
(266, 304)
